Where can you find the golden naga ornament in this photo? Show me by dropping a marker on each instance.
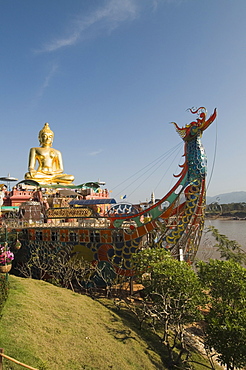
(47, 160)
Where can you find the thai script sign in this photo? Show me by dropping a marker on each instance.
(69, 212)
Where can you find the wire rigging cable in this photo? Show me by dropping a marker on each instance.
(153, 173)
(215, 152)
(161, 179)
(152, 166)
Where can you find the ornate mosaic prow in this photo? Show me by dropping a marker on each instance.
(186, 228)
(196, 128)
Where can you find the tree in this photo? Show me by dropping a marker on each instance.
(228, 249)
(64, 268)
(59, 267)
(225, 332)
(173, 295)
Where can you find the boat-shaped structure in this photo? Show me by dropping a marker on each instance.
(101, 230)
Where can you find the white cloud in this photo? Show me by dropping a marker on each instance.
(107, 18)
(41, 90)
(96, 152)
(47, 79)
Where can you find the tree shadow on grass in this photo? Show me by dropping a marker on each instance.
(121, 335)
(152, 341)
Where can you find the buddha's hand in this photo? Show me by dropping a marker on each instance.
(32, 172)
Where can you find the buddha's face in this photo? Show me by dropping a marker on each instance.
(46, 139)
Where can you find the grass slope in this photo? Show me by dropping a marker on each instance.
(51, 328)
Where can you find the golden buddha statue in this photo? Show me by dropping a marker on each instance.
(49, 160)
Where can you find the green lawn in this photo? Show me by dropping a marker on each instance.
(51, 328)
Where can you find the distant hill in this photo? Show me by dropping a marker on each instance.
(234, 197)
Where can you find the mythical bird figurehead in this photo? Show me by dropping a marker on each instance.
(196, 128)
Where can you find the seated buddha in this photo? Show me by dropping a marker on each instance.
(47, 160)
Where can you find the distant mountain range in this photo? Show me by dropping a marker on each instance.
(234, 197)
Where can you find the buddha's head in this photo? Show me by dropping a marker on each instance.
(46, 136)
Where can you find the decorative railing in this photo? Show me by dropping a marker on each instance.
(81, 223)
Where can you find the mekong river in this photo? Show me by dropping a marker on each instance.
(233, 229)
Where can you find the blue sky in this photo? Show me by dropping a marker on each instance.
(110, 75)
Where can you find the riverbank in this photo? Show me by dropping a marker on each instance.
(226, 217)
